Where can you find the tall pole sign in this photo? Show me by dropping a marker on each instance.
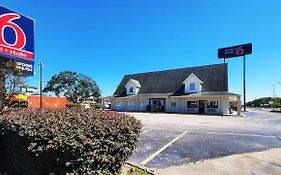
(17, 40)
(41, 83)
(237, 51)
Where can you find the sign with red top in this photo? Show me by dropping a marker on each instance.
(17, 39)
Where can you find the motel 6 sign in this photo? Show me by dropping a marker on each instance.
(17, 40)
(235, 51)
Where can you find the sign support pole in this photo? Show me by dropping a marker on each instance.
(41, 92)
(244, 81)
(237, 51)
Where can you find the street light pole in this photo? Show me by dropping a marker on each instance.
(273, 91)
(274, 88)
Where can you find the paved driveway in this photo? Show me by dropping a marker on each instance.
(174, 139)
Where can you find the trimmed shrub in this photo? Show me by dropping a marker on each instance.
(66, 141)
(74, 105)
(96, 106)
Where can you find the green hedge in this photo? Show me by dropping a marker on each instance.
(66, 141)
(96, 105)
(74, 105)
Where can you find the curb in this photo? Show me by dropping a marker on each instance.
(149, 171)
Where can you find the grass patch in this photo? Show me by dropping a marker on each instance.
(130, 169)
(137, 171)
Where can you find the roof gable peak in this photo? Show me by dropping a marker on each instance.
(136, 82)
(192, 75)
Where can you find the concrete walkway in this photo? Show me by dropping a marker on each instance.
(257, 163)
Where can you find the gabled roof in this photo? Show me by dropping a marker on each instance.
(215, 78)
(192, 75)
(136, 82)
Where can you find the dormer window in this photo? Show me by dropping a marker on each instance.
(132, 87)
(131, 90)
(192, 84)
(192, 87)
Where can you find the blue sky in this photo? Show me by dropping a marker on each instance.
(107, 39)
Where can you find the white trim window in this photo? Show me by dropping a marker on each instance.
(191, 104)
(192, 87)
(212, 104)
(142, 103)
(130, 103)
(118, 103)
(131, 90)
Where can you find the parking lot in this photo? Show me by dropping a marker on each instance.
(176, 139)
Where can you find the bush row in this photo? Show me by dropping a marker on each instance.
(66, 141)
(79, 105)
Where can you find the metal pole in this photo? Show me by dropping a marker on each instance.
(244, 82)
(273, 90)
(41, 92)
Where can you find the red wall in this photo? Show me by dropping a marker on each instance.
(48, 102)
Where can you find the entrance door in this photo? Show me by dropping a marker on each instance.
(201, 106)
(157, 104)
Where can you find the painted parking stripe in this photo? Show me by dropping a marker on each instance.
(275, 135)
(231, 133)
(144, 131)
(162, 149)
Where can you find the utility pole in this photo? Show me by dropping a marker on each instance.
(41, 91)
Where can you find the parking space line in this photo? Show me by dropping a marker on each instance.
(152, 156)
(144, 131)
(231, 133)
(276, 136)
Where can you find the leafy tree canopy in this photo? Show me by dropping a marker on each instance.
(265, 100)
(75, 87)
(10, 81)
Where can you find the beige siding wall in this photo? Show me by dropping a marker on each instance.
(120, 107)
(129, 104)
(213, 110)
(180, 105)
(173, 104)
(225, 105)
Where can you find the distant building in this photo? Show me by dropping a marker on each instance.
(47, 102)
(33, 101)
(91, 100)
(106, 102)
(29, 90)
(202, 89)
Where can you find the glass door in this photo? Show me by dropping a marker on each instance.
(157, 104)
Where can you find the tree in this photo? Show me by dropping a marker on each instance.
(265, 100)
(10, 81)
(75, 87)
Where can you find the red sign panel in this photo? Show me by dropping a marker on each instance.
(17, 39)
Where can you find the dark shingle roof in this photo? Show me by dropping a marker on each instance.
(214, 77)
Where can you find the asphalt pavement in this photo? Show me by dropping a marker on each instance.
(175, 139)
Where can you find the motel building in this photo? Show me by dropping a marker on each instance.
(202, 89)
